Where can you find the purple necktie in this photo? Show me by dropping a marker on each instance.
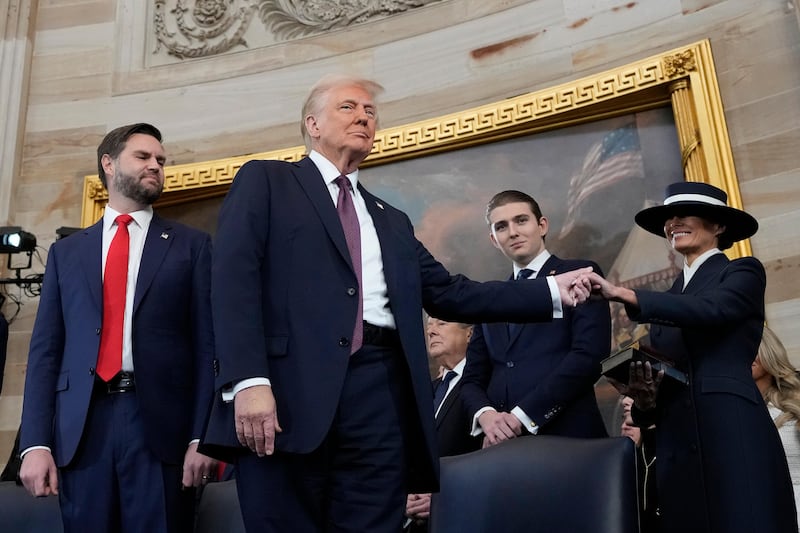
(352, 233)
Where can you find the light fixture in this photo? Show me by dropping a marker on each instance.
(14, 240)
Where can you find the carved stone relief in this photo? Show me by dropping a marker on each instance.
(188, 29)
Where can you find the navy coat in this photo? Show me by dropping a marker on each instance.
(721, 465)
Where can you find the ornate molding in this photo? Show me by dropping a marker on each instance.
(289, 19)
(679, 64)
(210, 27)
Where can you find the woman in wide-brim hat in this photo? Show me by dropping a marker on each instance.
(721, 466)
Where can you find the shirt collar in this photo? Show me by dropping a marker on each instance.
(459, 368)
(141, 217)
(689, 271)
(329, 171)
(535, 265)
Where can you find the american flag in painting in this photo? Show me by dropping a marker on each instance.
(615, 157)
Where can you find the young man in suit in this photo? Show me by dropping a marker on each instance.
(120, 375)
(447, 347)
(535, 378)
(318, 289)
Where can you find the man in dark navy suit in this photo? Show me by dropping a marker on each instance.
(524, 379)
(318, 289)
(447, 348)
(119, 381)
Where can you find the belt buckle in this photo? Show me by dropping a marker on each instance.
(124, 382)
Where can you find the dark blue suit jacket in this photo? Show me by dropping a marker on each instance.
(453, 425)
(172, 341)
(548, 370)
(721, 465)
(284, 304)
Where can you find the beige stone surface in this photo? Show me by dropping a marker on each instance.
(89, 72)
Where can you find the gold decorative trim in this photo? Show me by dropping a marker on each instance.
(679, 64)
(684, 79)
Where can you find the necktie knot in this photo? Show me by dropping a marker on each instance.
(448, 377)
(343, 183)
(123, 220)
(525, 273)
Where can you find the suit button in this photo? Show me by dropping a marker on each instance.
(351, 291)
(91, 371)
(344, 341)
(510, 364)
(97, 331)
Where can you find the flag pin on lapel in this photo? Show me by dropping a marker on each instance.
(379, 204)
(165, 236)
(552, 273)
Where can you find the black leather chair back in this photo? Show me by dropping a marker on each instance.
(541, 484)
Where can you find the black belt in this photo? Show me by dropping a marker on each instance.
(122, 382)
(378, 336)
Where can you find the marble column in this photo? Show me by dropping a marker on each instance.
(16, 48)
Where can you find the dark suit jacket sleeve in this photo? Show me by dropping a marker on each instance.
(737, 296)
(477, 373)
(203, 333)
(459, 299)
(237, 278)
(44, 361)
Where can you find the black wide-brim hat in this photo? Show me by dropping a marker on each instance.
(702, 200)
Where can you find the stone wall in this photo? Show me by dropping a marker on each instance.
(83, 67)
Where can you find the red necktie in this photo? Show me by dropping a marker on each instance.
(352, 234)
(109, 359)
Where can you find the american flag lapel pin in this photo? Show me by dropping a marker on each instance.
(165, 235)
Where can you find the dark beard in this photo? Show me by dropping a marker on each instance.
(132, 188)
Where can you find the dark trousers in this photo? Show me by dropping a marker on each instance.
(115, 483)
(356, 480)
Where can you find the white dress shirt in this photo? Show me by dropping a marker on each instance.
(137, 230)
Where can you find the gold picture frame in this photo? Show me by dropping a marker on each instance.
(683, 78)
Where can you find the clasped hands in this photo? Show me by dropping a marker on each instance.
(574, 286)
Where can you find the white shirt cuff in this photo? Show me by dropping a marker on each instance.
(26, 450)
(228, 394)
(555, 295)
(476, 427)
(527, 422)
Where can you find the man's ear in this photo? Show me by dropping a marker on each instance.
(494, 240)
(544, 224)
(720, 230)
(108, 165)
(311, 126)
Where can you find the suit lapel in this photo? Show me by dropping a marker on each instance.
(315, 188)
(388, 245)
(91, 253)
(707, 271)
(448, 402)
(158, 240)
